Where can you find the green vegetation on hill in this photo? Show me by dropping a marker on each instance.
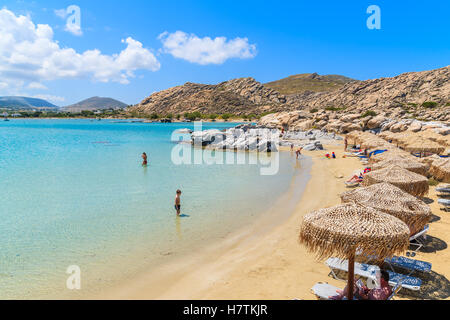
(308, 82)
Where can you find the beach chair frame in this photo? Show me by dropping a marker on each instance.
(418, 240)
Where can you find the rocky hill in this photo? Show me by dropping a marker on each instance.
(406, 90)
(309, 82)
(419, 95)
(95, 103)
(238, 96)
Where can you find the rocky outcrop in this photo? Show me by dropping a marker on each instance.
(340, 123)
(260, 139)
(405, 91)
(239, 96)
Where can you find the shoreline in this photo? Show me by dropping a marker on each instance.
(250, 264)
(273, 265)
(168, 272)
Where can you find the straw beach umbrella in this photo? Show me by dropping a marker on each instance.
(373, 143)
(440, 169)
(405, 163)
(389, 199)
(348, 228)
(423, 145)
(408, 181)
(394, 153)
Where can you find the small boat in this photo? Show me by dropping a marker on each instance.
(6, 119)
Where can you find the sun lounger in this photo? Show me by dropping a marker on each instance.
(352, 154)
(417, 240)
(445, 203)
(408, 264)
(374, 153)
(352, 184)
(369, 271)
(324, 291)
(443, 190)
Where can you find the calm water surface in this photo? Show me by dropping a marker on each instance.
(73, 192)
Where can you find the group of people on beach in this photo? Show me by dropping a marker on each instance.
(178, 193)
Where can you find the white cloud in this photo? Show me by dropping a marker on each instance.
(29, 54)
(36, 85)
(48, 97)
(206, 50)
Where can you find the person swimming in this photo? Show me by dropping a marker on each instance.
(178, 202)
(144, 159)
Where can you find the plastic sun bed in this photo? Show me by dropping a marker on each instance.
(417, 239)
(369, 271)
(443, 190)
(352, 184)
(408, 264)
(324, 291)
(445, 203)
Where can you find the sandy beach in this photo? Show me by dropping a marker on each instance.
(271, 264)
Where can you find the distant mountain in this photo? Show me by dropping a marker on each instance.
(95, 103)
(313, 82)
(25, 103)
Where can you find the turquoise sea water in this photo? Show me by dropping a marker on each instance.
(73, 192)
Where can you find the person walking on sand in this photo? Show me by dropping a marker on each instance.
(178, 202)
(144, 159)
(292, 147)
(345, 143)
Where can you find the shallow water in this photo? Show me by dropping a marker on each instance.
(73, 192)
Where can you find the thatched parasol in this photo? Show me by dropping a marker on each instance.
(391, 154)
(429, 134)
(389, 199)
(408, 181)
(373, 143)
(404, 162)
(353, 136)
(440, 169)
(347, 228)
(423, 145)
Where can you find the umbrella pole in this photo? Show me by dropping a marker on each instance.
(351, 275)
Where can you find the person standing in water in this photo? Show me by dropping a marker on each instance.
(144, 159)
(178, 202)
(299, 152)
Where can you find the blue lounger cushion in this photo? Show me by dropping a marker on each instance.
(408, 282)
(409, 264)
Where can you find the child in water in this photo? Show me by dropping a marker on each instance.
(178, 202)
(144, 158)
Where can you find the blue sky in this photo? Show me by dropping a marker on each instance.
(267, 40)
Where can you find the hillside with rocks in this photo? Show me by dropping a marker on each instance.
(239, 96)
(405, 102)
(408, 89)
(389, 103)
